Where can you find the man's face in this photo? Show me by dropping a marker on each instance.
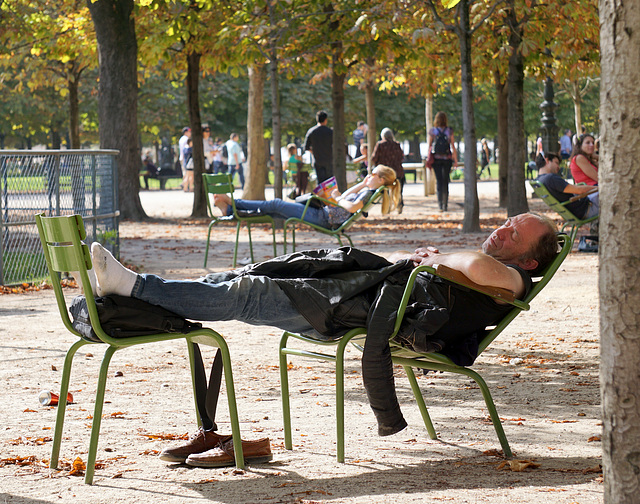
(514, 239)
(554, 165)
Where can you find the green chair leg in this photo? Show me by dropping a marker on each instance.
(62, 402)
(191, 353)
(417, 393)
(235, 250)
(275, 249)
(284, 393)
(97, 415)
(231, 400)
(497, 424)
(293, 238)
(206, 250)
(250, 242)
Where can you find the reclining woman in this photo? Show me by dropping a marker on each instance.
(330, 217)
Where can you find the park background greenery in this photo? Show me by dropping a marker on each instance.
(263, 67)
(58, 45)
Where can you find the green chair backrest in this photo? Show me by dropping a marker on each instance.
(64, 251)
(543, 193)
(356, 215)
(220, 183)
(564, 247)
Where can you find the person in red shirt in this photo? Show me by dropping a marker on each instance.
(584, 161)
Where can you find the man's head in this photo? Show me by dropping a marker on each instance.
(526, 240)
(234, 137)
(322, 117)
(206, 131)
(567, 132)
(360, 124)
(186, 131)
(552, 163)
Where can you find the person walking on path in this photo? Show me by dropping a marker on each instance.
(441, 144)
(388, 152)
(565, 145)
(359, 135)
(319, 141)
(234, 154)
(182, 146)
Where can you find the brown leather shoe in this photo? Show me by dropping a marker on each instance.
(201, 441)
(255, 452)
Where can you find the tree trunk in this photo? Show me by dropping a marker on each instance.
(471, 219)
(193, 105)
(503, 139)
(118, 96)
(275, 121)
(517, 197)
(256, 147)
(619, 182)
(56, 141)
(339, 138)
(74, 114)
(577, 105)
(371, 120)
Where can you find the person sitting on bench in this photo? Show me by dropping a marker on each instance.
(325, 293)
(330, 216)
(560, 189)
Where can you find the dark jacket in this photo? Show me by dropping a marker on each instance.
(340, 289)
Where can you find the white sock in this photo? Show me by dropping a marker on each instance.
(92, 280)
(113, 277)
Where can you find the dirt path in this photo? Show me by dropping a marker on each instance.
(543, 373)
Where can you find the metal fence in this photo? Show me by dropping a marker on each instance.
(55, 182)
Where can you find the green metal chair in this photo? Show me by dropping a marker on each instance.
(222, 184)
(338, 233)
(570, 220)
(61, 239)
(410, 359)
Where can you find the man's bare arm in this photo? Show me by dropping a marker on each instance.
(478, 267)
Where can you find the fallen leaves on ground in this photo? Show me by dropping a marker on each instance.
(518, 465)
(77, 468)
(167, 436)
(26, 440)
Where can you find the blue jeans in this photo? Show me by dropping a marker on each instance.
(284, 209)
(594, 205)
(255, 300)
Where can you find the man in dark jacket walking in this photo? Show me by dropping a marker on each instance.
(328, 292)
(319, 141)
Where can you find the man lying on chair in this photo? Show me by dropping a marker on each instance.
(328, 292)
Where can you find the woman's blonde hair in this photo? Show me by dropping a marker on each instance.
(440, 120)
(391, 197)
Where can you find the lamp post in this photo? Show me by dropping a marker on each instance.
(549, 128)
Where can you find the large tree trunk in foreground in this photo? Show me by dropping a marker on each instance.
(619, 180)
(256, 147)
(118, 96)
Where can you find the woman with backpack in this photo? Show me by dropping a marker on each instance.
(441, 144)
